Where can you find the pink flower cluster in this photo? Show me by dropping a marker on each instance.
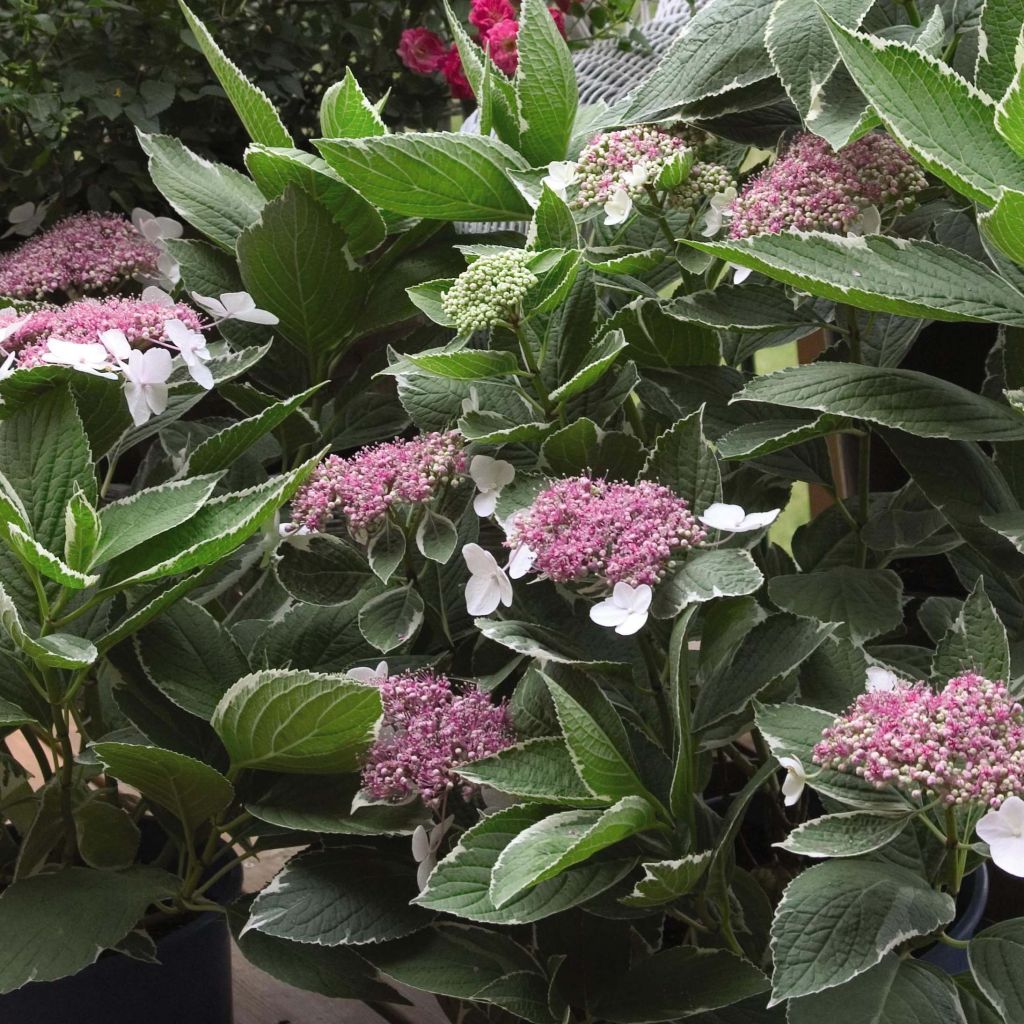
(429, 731)
(580, 528)
(497, 24)
(609, 160)
(81, 322)
(813, 188)
(964, 744)
(89, 252)
(364, 486)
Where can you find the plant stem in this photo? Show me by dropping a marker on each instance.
(863, 444)
(681, 795)
(952, 852)
(948, 940)
(531, 365)
(912, 12)
(37, 752)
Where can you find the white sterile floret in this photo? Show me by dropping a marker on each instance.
(235, 306)
(362, 674)
(618, 208)
(89, 358)
(145, 386)
(795, 780)
(1003, 830)
(733, 519)
(883, 680)
(626, 610)
(488, 584)
(191, 346)
(561, 174)
(490, 476)
(489, 292)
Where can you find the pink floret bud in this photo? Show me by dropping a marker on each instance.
(428, 731)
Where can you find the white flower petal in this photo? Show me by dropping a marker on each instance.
(792, 788)
(618, 208)
(491, 474)
(8, 327)
(882, 680)
(156, 398)
(608, 613)
(116, 343)
(478, 561)
(420, 844)
(720, 516)
(213, 306)
(485, 503)
(740, 274)
(632, 623)
(520, 561)
(137, 404)
(201, 374)
(1003, 830)
(483, 595)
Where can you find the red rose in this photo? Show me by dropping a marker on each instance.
(455, 76)
(421, 51)
(485, 14)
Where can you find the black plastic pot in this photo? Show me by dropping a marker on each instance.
(970, 909)
(192, 982)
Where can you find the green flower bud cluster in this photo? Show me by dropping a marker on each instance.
(489, 292)
(705, 181)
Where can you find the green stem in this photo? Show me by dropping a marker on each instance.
(37, 752)
(654, 673)
(952, 851)
(534, 369)
(684, 778)
(863, 444)
(66, 765)
(912, 12)
(948, 940)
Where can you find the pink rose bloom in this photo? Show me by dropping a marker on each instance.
(421, 51)
(455, 76)
(558, 14)
(501, 42)
(485, 14)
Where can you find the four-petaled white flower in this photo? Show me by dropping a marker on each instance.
(718, 212)
(155, 229)
(561, 174)
(618, 208)
(795, 780)
(25, 218)
(488, 584)
(490, 476)
(235, 306)
(626, 609)
(732, 518)
(145, 382)
(882, 680)
(1003, 830)
(91, 358)
(362, 674)
(191, 345)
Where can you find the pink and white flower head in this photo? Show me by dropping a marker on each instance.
(962, 745)
(83, 254)
(363, 487)
(811, 187)
(428, 731)
(583, 529)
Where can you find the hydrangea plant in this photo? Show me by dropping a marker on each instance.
(564, 732)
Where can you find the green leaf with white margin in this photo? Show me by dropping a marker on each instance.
(895, 991)
(848, 834)
(801, 47)
(346, 113)
(46, 562)
(296, 721)
(274, 169)
(545, 86)
(220, 526)
(192, 791)
(219, 451)
(561, 840)
(147, 609)
(996, 957)
(253, 106)
(146, 514)
(1004, 224)
(90, 911)
(917, 403)
(545, 644)
(998, 31)
(683, 461)
(107, 837)
(391, 619)
(721, 48)
(1010, 110)
(82, 528)
(11, 715)
(349, 896)
(976, 642)
(771, 650)
(554, 223)
(793, 730)
(597, 742)
(294, 261)
(536, 770)
(665, 881)
(440, 176)
(763, 437)
(668, 336)
(216, 200)
(466, 364)
(386, 551)
(865, 602)
(887, 275)
(624, 260)
(428, 298)
(599, 360)
(838, 919)
(56, 650)
(459, 884)
(436, 537)
(943, 120)
(190, 657)
(679, 982)
(705, 575)
(46, 460)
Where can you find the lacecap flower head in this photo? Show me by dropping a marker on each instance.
(962, 745)
(428, 731)
(489, 292)
(588, 529)
(83, 254)
(811, 187)
(364, 486)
